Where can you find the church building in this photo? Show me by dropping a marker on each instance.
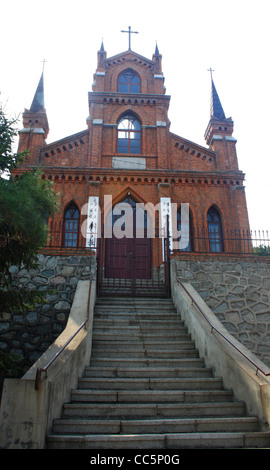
(154, 333)
(127, 154)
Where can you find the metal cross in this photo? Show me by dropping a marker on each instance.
(43, 61)
(129, 36)
(210, 70)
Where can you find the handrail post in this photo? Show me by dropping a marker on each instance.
(38, 378)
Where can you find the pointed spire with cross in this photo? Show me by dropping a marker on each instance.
(216, 109)
(43, 62)
(211, 72)
(129, 36)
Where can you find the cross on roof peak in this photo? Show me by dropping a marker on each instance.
(43, 62)
(129, 36)
(211, 72)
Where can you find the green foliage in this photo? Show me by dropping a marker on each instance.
(8, 160)
(262, 250)
(11, 365)
(25, 205)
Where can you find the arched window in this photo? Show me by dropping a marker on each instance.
(129, 135)
(188, 244)
(71, 226)
(129, 82)
(214, 230)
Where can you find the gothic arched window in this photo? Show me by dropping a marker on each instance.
(129, 135)
(129, 82)
(214, 230)
(188, 244)
(71, 226)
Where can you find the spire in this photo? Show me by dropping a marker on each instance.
(102, 55)
(216, 109)
(157, 58)
(219, 127)
(38, 101)
(35, 119)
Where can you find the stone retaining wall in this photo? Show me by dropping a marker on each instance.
(238, 292)
(29, 334)
(236, 289)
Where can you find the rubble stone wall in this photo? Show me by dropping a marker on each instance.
(238, 292)
(29, 334)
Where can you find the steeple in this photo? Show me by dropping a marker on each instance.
(102, 55)
(35, 122)
(157, 58)
(216, 109)
(218, 125)
(38, 101)
(218, 134)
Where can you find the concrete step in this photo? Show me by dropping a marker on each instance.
(136, 308)
(147, 344)
(131, 301)
(147, 388)
(142, 340)
(151, 396)
(135, 321)
(146, 362)
(129, 411)
(156, 383)
(148, 372)
(149, 426)
(124, 315)
(118, 333)
(162, 441)
(161, 328)
(149, 353)
(151, 306)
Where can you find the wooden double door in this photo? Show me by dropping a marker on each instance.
(128, 256)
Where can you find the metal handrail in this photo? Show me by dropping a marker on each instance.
(213, 327)
(41, 370)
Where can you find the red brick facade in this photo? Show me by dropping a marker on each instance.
(88, 163)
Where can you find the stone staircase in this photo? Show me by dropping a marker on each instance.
(147, 388)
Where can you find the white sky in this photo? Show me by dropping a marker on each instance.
(232, 37)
